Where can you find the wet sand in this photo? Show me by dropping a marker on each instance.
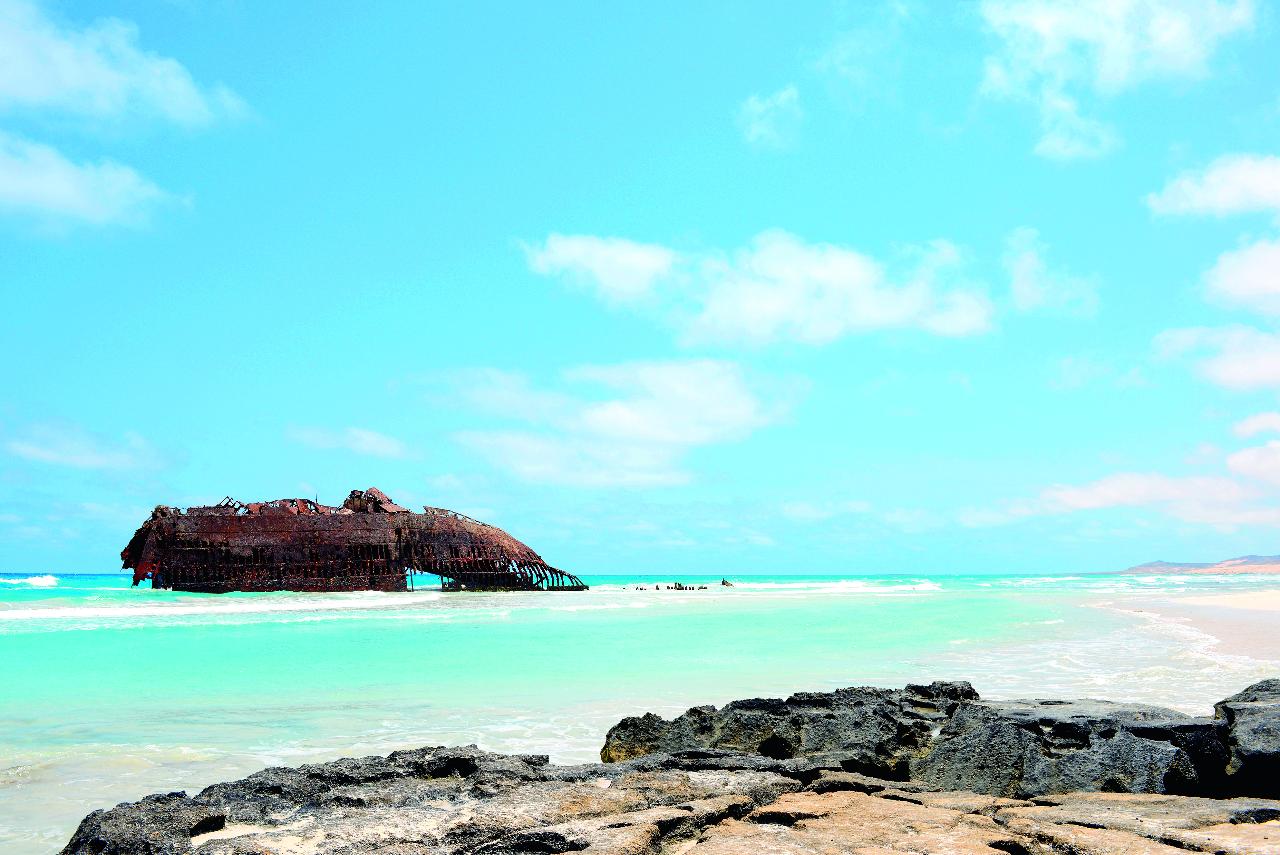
(1245, 624)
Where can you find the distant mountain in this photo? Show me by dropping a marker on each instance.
(1243, 564)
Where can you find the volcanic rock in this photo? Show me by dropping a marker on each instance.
(925, 769)
(945, 736)
(1252, 720)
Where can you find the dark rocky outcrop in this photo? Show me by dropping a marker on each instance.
(869, 730)
(456, 801)
(944, 735)
(441, 800)
(1252, 722)
(923, 769)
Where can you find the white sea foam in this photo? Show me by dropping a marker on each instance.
(45, 581)
(842, 586)
(361, 601)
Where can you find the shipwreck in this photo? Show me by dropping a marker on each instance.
(368, 544)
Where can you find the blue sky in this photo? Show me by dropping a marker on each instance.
(722, 287)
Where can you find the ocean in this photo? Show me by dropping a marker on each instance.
(109, 692)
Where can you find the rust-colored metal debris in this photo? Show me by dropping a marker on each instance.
(368, 544)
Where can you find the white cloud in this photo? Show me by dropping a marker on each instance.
(1232, 184)
(93, 73)
(1239, 357)
(1035, 286)
(1248, 277)
(1245, 497)
(1050, 51)
(1229, 518)
(651, 415)
(357, 440)
(771, 120)
(1129, 489)
(97, 71)
(693, 402)
(780, 288)
(1256, 424)
(37, 179)
(1204, 500)
(79, 449)
(1261, 463)
(619, 270)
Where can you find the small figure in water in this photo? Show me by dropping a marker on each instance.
(725, 582)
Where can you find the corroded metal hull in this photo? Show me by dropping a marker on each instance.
(368, 544)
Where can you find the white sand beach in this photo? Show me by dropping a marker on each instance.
(1244, 623)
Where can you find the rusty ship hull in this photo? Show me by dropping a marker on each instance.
(367, 544)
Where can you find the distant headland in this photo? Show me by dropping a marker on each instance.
(1262, 564)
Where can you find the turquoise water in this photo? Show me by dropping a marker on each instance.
(109, 692)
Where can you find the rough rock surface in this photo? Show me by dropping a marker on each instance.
(944, 735)
(1252, 721)
(463, 800)
(441, 800)
(841, 787)
(868, 730)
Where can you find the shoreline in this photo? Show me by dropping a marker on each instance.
(72, 646)
(1241, 624)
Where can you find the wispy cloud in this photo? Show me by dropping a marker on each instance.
(1217, 501)
(79, 449)
(651, 415)
(85, 76)
(98, 71)
(1256, 424)
(771, 121)
(615, 268)
(1243, 496)
(782, 288)
(1050, 53)
(1232, 184)
(1236, 357)
(356, 440)
(1248, 277)
(1260, 463)
(37, 179)
(1133, 489)
(1036, 286)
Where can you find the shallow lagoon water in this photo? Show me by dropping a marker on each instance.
(109, 692)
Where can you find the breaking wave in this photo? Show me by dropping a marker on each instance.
(289, 603)
(45, 581)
